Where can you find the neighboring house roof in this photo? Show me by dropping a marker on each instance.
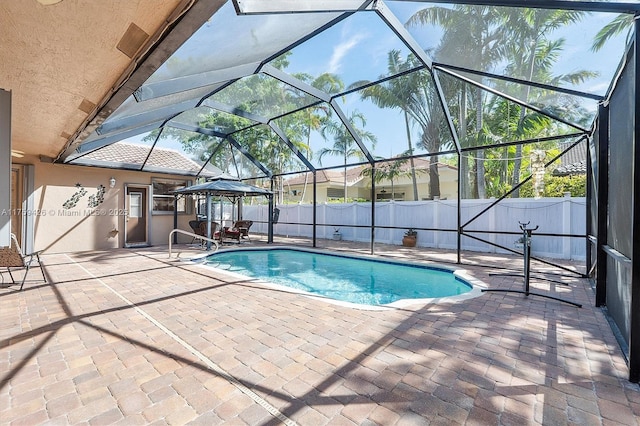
(163, 160)
(354, 174)
(324, 176)
(574, 161)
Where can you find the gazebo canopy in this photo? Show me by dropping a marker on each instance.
(225, 187)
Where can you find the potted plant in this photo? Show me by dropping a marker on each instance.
(410, 237)
(336, 234)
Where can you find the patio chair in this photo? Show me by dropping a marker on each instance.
(195, 227)
(13, 259)
(243, 227)
(229, 233)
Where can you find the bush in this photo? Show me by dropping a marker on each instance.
(556, 186)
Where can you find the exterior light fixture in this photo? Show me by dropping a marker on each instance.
(112, 182)
(48, 2)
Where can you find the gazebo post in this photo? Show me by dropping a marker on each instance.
(175, 218)
(270, 229)
(208, 220)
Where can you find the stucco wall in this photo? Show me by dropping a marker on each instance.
(62, 225)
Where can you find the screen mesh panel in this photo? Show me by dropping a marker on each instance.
(619, 236)
(621, 163)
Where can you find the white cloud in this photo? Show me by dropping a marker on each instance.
(341, 50)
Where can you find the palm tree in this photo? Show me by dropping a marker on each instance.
(344, 145)
(531, 56)
(315, 116)
(398, 93)
(471, 35)
(619, 24)
(390, 171)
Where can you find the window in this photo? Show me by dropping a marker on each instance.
(163, 199)
(335, 193)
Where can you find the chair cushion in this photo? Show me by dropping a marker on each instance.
(10, 257)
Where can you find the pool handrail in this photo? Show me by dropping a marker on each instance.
(191, 234)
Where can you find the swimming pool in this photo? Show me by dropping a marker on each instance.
(344, 278)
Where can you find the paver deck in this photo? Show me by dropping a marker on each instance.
(130, 337)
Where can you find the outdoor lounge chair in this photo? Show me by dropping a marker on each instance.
(13, 259)
(243, 227)
(227, 232)
(195, 227)
(240, 229)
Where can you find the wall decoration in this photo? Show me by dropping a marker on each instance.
(73, 201)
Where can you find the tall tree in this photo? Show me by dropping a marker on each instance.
(531, 55)
(401, 92)
(470, 39)
(316, 116)
(619, 24)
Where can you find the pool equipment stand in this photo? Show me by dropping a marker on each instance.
(526, 238)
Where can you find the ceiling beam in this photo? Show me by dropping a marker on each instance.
(259, 7)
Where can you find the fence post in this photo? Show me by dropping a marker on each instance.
(492, 225)
(324, 220)
(392, 220)
(436, 222)
(566, 226)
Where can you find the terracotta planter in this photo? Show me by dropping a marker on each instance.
(409, 241)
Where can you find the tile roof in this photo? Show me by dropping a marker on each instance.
(354, 174)
(574, 161)
(161, 159)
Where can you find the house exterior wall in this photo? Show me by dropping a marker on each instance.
(60, 225)
(402, 188)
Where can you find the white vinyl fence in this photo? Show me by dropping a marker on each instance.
(552, 216)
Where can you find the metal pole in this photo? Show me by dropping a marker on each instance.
(459, 210)
(175, 219)
(208, 220)
(270, 229)
(373, 207)
(315, 210)
(634, 308)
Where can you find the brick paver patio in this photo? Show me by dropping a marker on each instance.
(130, 337)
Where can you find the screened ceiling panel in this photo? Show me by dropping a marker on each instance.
(207, 118)
(228, 40)
(391, 129)
(340, 51)
(531, 44)
(279, 87)
(233, 162)
(305, 6)
(264, 96)
(575, 109)
(96, 141)
(130, 154)
(131, 107)
(144, 113)
(482, 118)
(268, 149)
(179, 151)
(322, 137)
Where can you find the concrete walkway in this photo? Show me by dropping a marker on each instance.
(130, 337)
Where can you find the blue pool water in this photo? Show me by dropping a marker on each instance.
(349, 279)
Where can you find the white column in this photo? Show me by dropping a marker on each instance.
(5, 168)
